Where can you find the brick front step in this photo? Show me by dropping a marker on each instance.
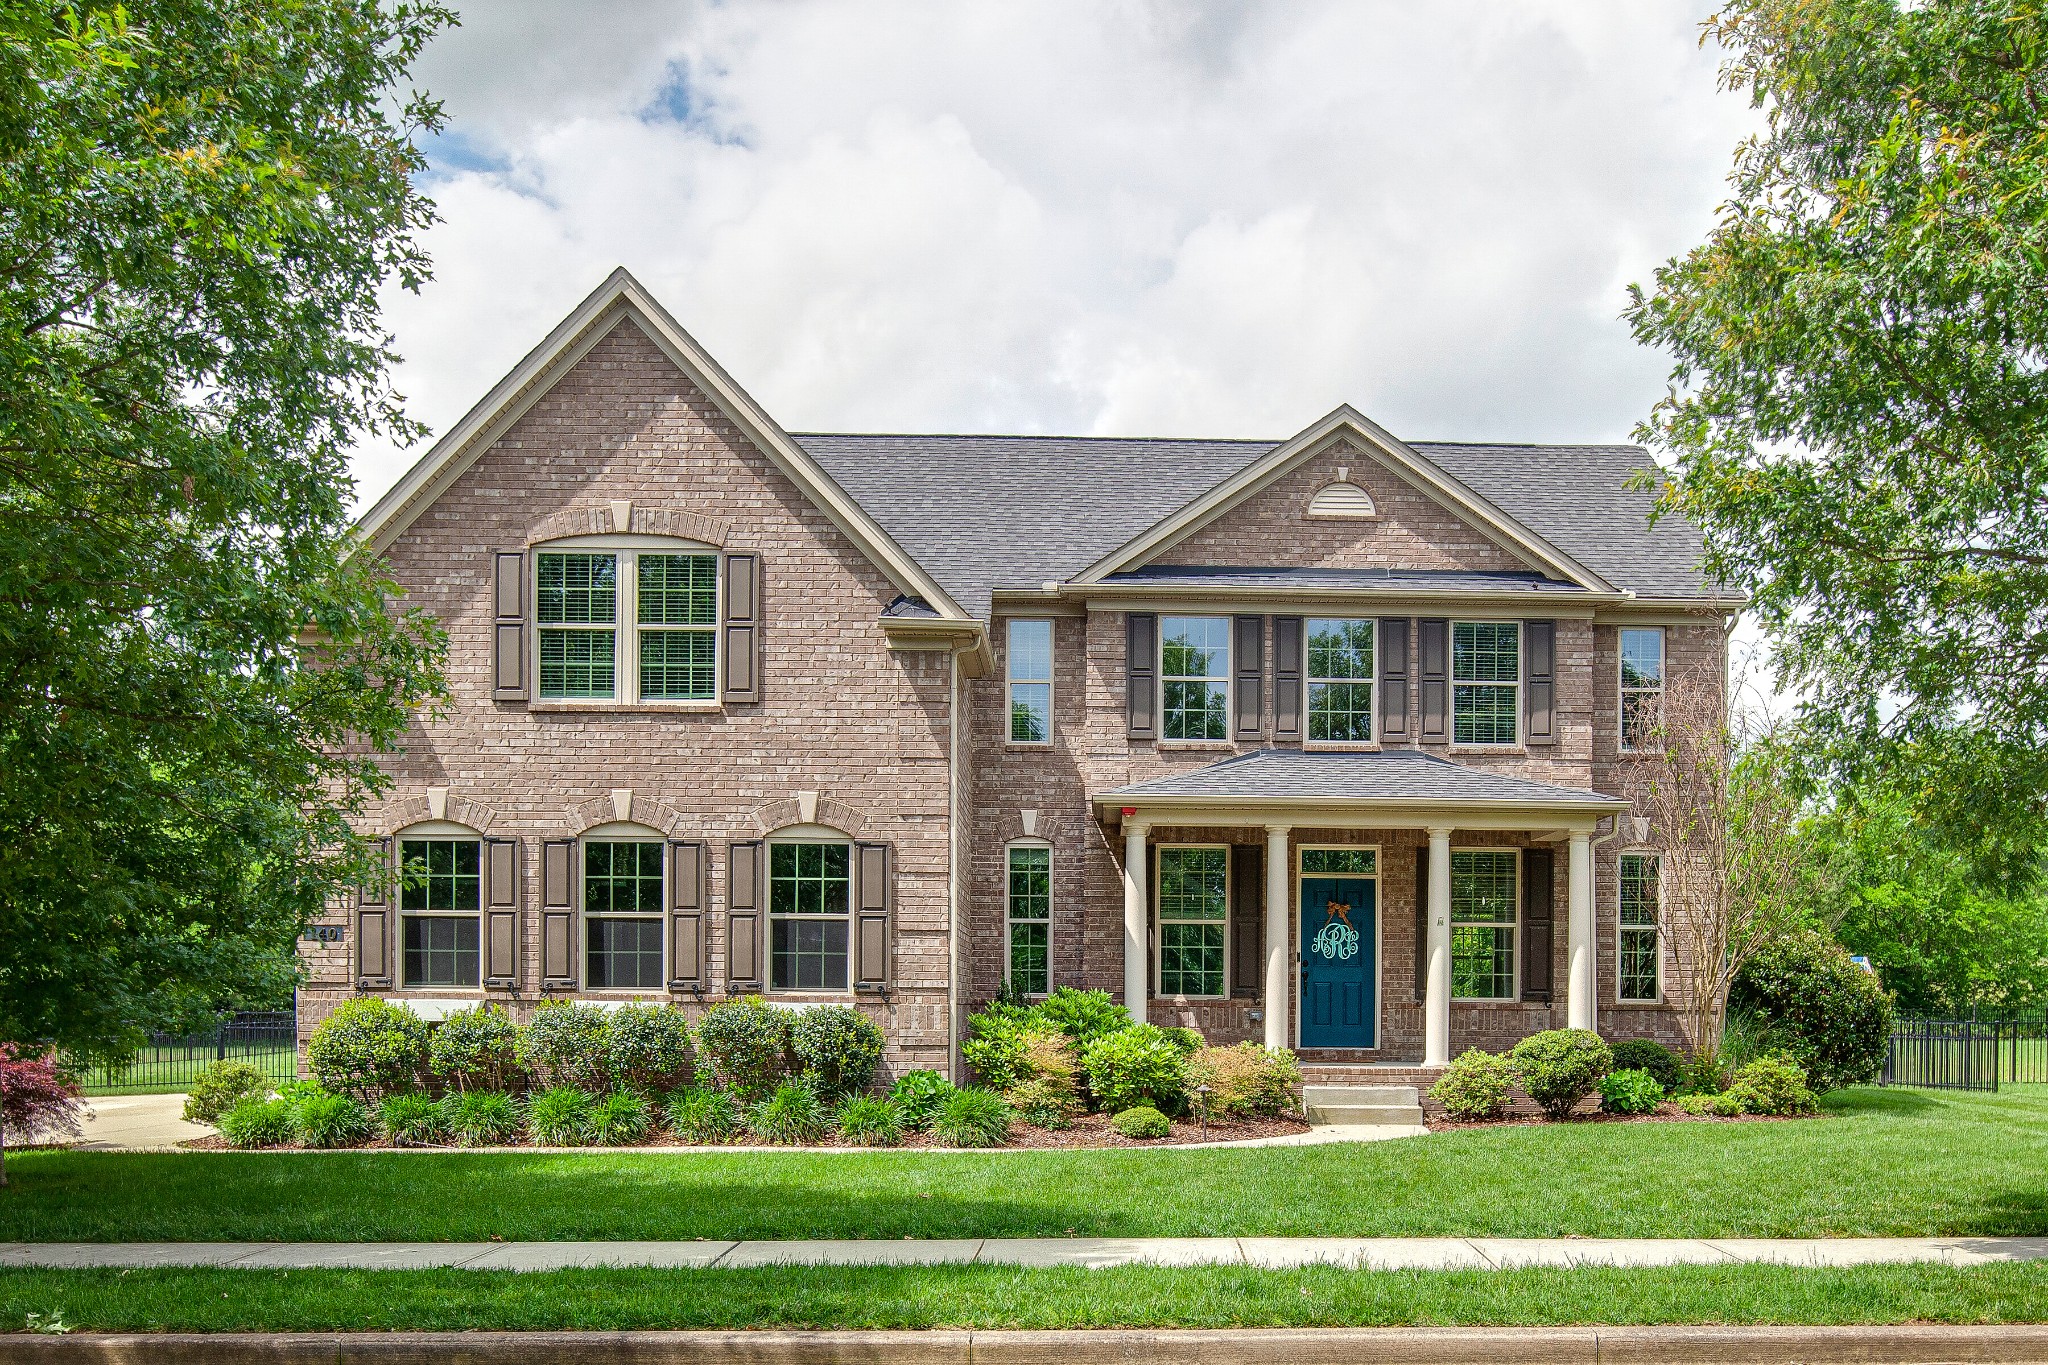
(1369, 1073)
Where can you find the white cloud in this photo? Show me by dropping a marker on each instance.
(1164, 218)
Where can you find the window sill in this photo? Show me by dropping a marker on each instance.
(1038, 744)
(1640, 1004)
(563, 705)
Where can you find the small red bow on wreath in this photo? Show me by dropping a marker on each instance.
(1337, 910)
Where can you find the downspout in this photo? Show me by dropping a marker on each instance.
(954, 896)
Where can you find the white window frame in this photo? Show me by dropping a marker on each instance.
(1010, 921)
(1309, 682)
(1521, 677)
(1226, 680)
(1379, 925)
(626, 551)
(620, 834)
(1623, 691)
(806, 835)
(435, 831)
(1655, 927)
(1160, 921)
(1514, 926)
(1011, 680)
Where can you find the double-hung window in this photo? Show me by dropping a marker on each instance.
(622, 913)
(1194, 913)
(1030, 921)
(1484, 900)
(1636, 944)
(1194, 676)
(440, 900)
(1340, 676)
(809, 895)
(1029, 653)
(1486, 682)
(1642, 687)
(627, 623)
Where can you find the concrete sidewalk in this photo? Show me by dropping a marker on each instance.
(1269, 1253)
(136, 1123)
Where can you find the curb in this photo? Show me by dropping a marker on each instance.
(1902, 1345)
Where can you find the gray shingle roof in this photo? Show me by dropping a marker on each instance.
(1359, 580)
(1385, 775)
(982, 512)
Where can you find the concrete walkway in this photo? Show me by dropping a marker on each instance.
(136, 1123)
(1268, 1253)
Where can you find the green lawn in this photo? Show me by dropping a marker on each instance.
(171, 1070)
(997, 1296)
(1893, 1163)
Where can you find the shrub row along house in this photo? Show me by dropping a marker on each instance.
(1313, 742)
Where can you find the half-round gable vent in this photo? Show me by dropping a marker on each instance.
(1341, 499)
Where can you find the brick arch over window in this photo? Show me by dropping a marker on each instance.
(414, 810)
(789, 811)
(647, 810)
(1054, 828)
(596, 519)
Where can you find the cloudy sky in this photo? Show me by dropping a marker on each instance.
(1111, 217)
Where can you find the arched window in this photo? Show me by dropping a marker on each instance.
(810, 908)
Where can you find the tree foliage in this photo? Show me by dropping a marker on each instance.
(1859, 407)
(199, 200)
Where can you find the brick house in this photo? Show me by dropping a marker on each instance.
(1311, 741)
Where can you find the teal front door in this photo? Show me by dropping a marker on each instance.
(1340, 971)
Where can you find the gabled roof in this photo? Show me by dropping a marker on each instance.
(1399, 775)
(622, 299)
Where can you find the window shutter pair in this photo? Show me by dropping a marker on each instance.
(874, 902)
(686, 880)
(1289, 642)
(501, 913)
(373, 925)
(1539, 682)
(1247, 922)
(1433, 639)
(1394, 679)
(1538, 933)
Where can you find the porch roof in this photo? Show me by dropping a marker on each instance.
(1388, 786)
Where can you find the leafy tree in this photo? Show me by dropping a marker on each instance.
(199, 200)
(1859, 409)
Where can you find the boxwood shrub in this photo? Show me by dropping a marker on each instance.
(746, 1043)
(649, 1049)
(1666, 1067)
(1559, 1067)
(368, 1047)
(1475, 1087)
(1143, 1122)
(568, 1044)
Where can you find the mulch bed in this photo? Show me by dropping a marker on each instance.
(1090, 1130)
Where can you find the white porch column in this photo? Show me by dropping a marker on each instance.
(1436, 1009)
(1578, 900)
(1136, 978)
(1279, 997)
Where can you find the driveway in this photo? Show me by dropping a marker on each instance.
(136, 1123)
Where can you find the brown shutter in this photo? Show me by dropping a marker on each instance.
(373, 924)
(1539, 682)
(685, 916)
(1248, 661)
(742, 628)
(1287, 666)
(501, 913)
(1422, 924)
(558, 897)
(1247, 921)
(1537, 934)
(873, 898)
(744, 897)
(1433, 638)
(508, 625)
(1394, 680)
(1141, 675)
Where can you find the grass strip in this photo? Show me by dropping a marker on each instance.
(1884, 1163)
(224, 1300)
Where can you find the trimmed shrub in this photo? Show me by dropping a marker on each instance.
(1043, 1104)
(368, 1047)
(332, 1121)
(258, 1123)
(1773, 1085)
(220, 1087)
(1084, 1016)
(1246, 1081)
(1143, 1122)
(1829, 1014)
(972, 1117)
(871, 1121)
(414, 1118)
(482, 1118)
(566, 1044)
(1475, 1086)
(793, 1115)
(648, 1049)
(560, 1116)
(475, 1050)
(620, 1119)
(1630, 1092)
(1138, 1065)
(1696, 1103)
(995, 1045)
(838, 1045)
(918, 1095)
(703, 1115)
(1189, 1041)
(1666, 1067)
(746, 1042)
(1560, 1067)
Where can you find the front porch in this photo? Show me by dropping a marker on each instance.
(1371, 910)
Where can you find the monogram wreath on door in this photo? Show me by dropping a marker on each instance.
(1336, 940)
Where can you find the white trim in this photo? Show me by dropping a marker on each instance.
(1379, 928)
(436, 829)
(1009, 923)
(1514, 995)
(1656, 926)
(1011, 680)
(620, 832)
(1158, 920)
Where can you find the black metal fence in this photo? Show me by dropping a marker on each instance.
(266, 1041)
(1967, 1054)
